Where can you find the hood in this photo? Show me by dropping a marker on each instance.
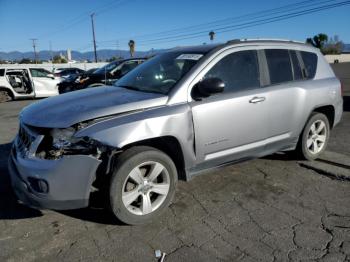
(68, 109)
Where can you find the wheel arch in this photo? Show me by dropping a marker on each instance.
(328, 111)
(8, 90)
(167, 144)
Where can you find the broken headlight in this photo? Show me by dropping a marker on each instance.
(61, 142)
(63, 138)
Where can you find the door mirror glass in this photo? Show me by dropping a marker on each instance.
(208, 87)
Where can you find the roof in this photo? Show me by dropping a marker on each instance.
(196, 49)
(207, 48)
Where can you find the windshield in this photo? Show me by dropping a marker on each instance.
(161, 73)
(107, 68)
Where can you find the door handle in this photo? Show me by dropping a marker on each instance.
(256, 99)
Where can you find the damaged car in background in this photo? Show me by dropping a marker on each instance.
(21, 83)
(181, 113)
(105, 75)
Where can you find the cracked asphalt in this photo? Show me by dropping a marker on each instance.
(270, 209)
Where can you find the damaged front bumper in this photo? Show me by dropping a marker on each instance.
(63, 183)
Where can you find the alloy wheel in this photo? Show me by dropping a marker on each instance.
(145, 188)
(317, 136)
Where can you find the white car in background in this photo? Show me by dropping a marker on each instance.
(26, 82)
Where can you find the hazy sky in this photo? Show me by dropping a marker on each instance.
(67, 24)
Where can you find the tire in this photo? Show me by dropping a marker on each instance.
(314, 138)
(5, 96)
(131, 195)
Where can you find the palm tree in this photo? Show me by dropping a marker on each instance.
(132, 47)
(318, 40)
(211, 35)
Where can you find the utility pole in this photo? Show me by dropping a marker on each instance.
(117, 47)
(34, 47)
(51, 51)
(93, 34)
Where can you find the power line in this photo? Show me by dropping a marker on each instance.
(249, 16)
(218, 29)
(244, 25)
(84, 16)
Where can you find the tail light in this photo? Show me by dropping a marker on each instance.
(57, 74)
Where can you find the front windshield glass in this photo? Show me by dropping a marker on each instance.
(107, 68)
(161, 73)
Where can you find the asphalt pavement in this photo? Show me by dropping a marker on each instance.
(270, 209)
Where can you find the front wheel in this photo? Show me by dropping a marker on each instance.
(315, 137)
(142, 185)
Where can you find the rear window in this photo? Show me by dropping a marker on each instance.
(2, 72)
(279, 64)
(298, 75)
(310, 63)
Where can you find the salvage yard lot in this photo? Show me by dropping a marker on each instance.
(270, 209)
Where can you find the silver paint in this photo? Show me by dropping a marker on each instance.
(219, 129)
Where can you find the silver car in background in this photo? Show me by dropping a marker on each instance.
(181, 113)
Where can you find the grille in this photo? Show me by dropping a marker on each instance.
(24, 140)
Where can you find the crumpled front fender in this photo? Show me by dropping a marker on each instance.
(174, 121)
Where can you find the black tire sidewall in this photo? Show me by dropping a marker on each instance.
(304, 150)
(125, 163)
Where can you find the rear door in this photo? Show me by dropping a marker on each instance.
(44, 84)
(231, 125)
(284, 93)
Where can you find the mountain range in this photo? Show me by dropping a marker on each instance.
(102, 54)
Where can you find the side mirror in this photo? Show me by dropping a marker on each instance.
(50, 76)
(208, 87)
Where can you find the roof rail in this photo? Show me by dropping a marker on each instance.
(262, 39)
(272, 39)
(233, 41)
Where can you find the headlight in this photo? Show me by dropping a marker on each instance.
(63, 138)
(61, 142)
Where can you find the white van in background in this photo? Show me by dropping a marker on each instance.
(26, 82)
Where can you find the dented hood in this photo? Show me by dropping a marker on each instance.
(68, 109)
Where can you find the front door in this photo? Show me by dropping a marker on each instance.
(44, 84)
(232, 125)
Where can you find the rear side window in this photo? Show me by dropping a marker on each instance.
(298, 74)
(239, 71)
(2, 72)
(279, 64)
(310, 63)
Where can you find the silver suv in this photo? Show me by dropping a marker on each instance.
(180, 113)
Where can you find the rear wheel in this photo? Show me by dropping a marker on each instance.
(142, 185)
(315, 137)
(5, 96)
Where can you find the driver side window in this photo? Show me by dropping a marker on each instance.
(38, 73)
(239, 71)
